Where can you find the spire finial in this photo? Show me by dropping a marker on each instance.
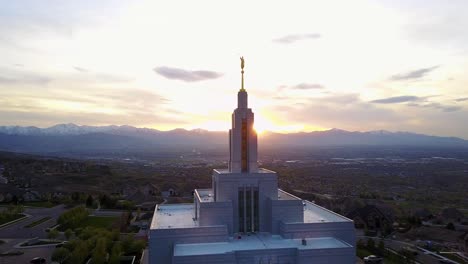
(242, 71)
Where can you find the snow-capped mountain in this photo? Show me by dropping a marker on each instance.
(71, 137)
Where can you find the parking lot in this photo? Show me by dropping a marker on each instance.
(17, 233)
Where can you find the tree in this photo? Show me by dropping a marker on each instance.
(73, 217)
(381, 247)
(14, 200)
(89, 201)
(138, 213)
(75, 196)
(370, 243)
(116, 253)
(99, 252)
(80, 253)
(450, 226)
(68, 233)
(127, 244)
(53, 234)
(137, 246)
(360, 244)
(60, 255)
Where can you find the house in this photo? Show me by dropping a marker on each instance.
(452, 214)
(372, 217)
(150, 189)
(31, 196)
(169, 190)
(138, 197)
(422, 213)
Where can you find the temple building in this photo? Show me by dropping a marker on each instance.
(245, 218)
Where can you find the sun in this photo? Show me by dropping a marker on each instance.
(263, 124)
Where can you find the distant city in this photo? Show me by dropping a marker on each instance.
(234, 132)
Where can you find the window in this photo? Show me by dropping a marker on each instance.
(241, 210)
(256, 211)
(244, 149)
(249, 217)
(248, 209)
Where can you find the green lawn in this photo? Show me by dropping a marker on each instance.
(45, 204)
(9, 218)
(40, 221)
(361, 252)
(99, 221)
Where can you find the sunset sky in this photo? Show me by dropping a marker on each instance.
(309, 65)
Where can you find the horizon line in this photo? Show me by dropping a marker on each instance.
(260, 133)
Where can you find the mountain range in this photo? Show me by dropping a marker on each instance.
(75, 138)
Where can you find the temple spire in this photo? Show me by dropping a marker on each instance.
(242, 71)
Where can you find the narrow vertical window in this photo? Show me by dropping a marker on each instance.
(248, 209)
(244, 150)
(241, 210)
(256, 211)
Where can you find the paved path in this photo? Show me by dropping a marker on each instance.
(424, 256)
(43, 252)
(17, 232)
(106, 212)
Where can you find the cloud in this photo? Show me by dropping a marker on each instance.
(439, 106)
(91, 106)
(415, 101)
(46, 118)
(450, 108)
(80, 69)
(347, 110)
(341, 99)
(350, 112)
(397, 99)
(416, 74)
(288, 39)
(13, 78)
(461, 99)
(185, 75)
(307, 86)
(97, 77)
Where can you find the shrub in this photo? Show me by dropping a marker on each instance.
(60, 255)
(73, 217)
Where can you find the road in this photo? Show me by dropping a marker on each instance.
(395, 245)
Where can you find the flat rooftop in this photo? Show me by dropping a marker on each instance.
(256, 242)
(206, 195)
(174, 216)
(282, 195)
(260, 170)
(317, 214)
(183, 215)
(312, 212)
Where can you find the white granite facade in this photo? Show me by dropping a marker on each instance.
(245, 218)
